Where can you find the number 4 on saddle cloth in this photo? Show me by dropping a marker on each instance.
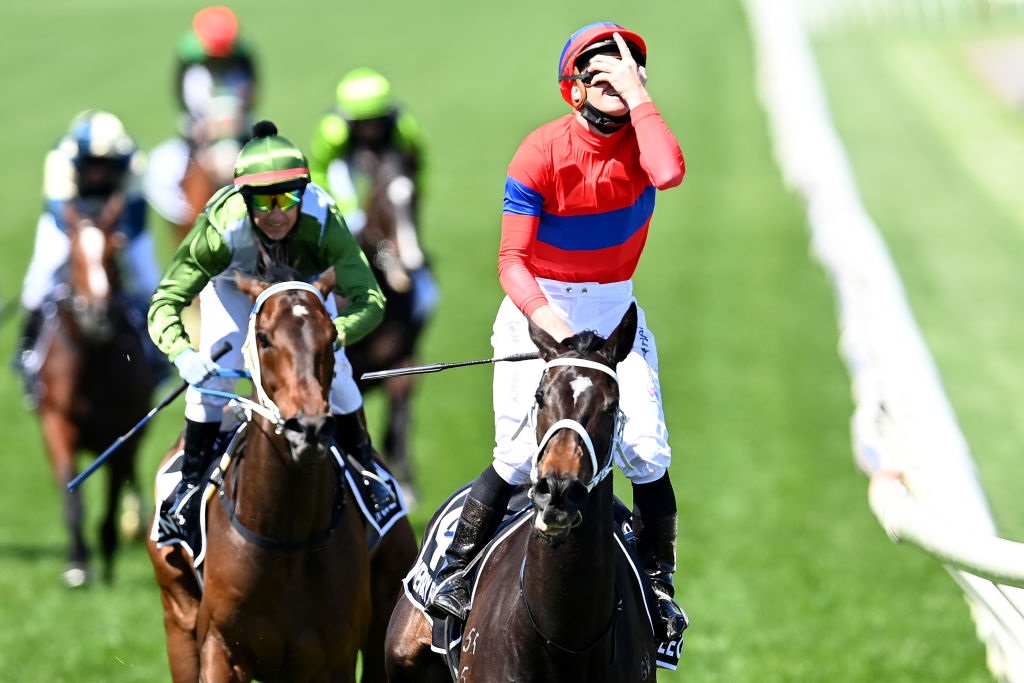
(421, 581)
(379, 520)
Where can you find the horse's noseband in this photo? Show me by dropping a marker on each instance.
(567, 423)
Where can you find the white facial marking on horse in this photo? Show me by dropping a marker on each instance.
(299, 310)
(93, 241)
(579, 385)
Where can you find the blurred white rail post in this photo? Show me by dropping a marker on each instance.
(905, 436)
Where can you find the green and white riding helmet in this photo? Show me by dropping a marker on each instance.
(270, 164)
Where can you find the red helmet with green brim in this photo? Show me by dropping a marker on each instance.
(270, 163)
(214, 33)
(593, 38)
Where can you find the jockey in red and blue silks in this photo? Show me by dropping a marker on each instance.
(578, 203)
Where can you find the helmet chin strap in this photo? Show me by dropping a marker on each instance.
(606, 123)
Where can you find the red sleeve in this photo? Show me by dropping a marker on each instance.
(517, 233)
(659, 150)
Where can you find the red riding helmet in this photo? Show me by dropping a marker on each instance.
(592, 38)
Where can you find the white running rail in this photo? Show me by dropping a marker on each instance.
(924, 487)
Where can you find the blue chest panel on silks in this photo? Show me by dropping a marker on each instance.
(421, 580)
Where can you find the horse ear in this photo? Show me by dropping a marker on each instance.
(250, 285)
(326, 281)
(546, 344)
(620, 341)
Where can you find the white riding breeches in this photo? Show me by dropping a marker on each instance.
(646, 454)
(162, 183)
(51, 252)
(224, 312)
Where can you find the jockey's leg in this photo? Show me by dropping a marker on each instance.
(655, 505)
(354, 440)
(481, 515)
(198, 451)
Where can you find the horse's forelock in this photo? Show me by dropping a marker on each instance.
(584, 343)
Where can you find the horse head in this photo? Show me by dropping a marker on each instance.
(289, 350)
(217, 138)
(577, 421)
(94, 275)
(390, 236)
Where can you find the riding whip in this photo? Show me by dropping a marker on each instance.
(437, 367)
(99, 461)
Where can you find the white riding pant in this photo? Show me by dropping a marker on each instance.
(224, 313)
(162, 183)
(646, 454)
(52, 249)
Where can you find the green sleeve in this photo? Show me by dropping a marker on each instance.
(355, 281)
(329, 142)
(409, 139)
(202, 255)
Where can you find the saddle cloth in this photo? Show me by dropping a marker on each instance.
(421, 580)
(378, 522)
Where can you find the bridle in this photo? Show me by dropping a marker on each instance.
(568, 423)
(264, 405)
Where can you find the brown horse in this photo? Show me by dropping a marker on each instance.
(557, 600)
(390, 240)
(290, 590)
(214, 145)
(94, 381)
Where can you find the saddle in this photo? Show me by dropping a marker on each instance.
(377, 521)
(421, 580)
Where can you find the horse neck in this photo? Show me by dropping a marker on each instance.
(573, 583)
(275, 499)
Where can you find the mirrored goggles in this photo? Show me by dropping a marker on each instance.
(284, 200)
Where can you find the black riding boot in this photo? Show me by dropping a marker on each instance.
(656, 546)
(354, 440)
(26, 361)
(482, 513)
(475, 528)
(198, 449)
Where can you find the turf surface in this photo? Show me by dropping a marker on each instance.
(784, 571)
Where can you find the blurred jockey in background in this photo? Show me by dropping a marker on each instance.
(364, 124)
(215, 88)
(95, 163)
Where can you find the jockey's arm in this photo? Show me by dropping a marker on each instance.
(201, 255)
(355, 282)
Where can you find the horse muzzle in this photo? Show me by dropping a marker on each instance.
(309, 437)
(559, 503)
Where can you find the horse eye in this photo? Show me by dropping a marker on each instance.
(263, 339)
(539, 398)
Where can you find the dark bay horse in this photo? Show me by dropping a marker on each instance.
(390, 240)
(290, 590)
(558, 600)
(94, 381)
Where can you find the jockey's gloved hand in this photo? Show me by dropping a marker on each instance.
(194, 367)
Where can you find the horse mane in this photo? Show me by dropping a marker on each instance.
(273, 263)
